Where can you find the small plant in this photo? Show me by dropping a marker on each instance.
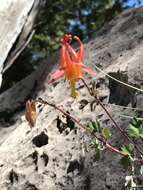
(71, 63)
(135, 129)
(72, 68)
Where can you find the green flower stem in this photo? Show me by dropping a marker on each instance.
(111, 118)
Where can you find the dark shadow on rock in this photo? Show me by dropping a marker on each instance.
(29, 186)
(76, 165)
(119, 93)
(34, 156)
(13, 177)
(87, 183)
(45, 158)
(40, 140)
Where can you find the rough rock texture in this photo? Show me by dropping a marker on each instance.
(17, 19)
(43, 158)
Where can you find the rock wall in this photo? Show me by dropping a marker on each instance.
(43, 158)
(17, 19)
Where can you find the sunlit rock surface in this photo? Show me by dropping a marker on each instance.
(45, 159)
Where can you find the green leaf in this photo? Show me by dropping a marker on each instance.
(98, 126)
(136, 122)
(95, 126)
(135, 129)
(98, 154)
(141, 132)
(125, 162)
(98, 148)
(90, 125)
(128, 150)
(106, 133)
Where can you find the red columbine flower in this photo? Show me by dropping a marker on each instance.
(71, 63)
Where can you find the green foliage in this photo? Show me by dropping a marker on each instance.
(135, 128)
(95, 126)
(57, 17)
(136, 122)
(126, 160)
(128, 150)
(98, 149)
(106, 133)
(80, 17)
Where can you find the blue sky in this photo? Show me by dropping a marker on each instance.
(133, 3)
(127, 4)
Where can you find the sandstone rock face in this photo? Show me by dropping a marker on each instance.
(42, 158)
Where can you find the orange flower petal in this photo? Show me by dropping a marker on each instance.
(80, 53)
(69, 66)
(72, 52)
(71, 63)
(62, 56)
(55, 76)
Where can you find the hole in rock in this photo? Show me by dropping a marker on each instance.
(87, 183)
(13, 176)
(29, 186)
(45, 158)
(34, 156)
(40, 140)
(75, 164)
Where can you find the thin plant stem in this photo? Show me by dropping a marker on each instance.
(111, 118)
(118, 81)
(101, 139)
(40, 100)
